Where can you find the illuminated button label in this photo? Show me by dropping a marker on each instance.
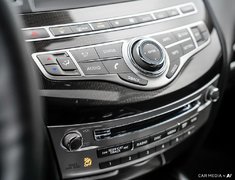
(87, 162)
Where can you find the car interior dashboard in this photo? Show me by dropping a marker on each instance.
(128, 86)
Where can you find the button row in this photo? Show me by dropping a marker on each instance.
(175, 52)
(98, 52)
(36, 33)
(97, 60)
(145, 141)
(200, 33)
(145, 153)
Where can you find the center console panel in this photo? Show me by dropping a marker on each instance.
(124, 82)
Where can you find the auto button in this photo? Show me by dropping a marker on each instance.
(93, 68)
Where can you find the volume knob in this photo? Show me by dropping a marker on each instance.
(148, 56)
(72, 141)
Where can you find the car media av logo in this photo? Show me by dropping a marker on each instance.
(222, 176)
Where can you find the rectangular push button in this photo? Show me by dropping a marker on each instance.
(182, 34)
(145, 18)
(175, 52)
(66, 63)
(114, 150)
(81, 28)
(124, 22)
(85, 54)
(171, 131)
(108, 164)
(188, 46)
(158, 136)
(93, 68)
(46, 59)
(35, 34)
(54, 70)
(165, 39)
(161, 15)
(197, 34)
(142, 142)
(187, 9)
(147, 152)
(100, 25)
(129, 158)
(174, 65)
(116, 66)
(173, 12)
(132, 78)
(60, 31)
(109, 51)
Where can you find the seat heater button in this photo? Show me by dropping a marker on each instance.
(35, 33)
(132, 78)
(54, 70)
(93, 68)
(46, 59)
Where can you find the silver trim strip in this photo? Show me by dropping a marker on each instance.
(51, 36)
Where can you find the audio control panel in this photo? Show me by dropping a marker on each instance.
(99, 147)
(147, 62)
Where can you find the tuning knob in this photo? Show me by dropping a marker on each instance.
(72, 141)
(148, 56)
(212, 94)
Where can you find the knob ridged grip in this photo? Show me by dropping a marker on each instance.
(72, 141)
(148, 55)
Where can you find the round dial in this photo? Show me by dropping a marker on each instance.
(148, 56)
(72, 141)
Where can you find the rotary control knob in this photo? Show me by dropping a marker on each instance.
(72, 141)
(148, 56)
(212, 94)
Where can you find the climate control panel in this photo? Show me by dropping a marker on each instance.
(147, 62)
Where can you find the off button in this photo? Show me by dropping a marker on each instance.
(132, 78)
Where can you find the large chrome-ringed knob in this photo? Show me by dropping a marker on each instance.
(148, 56)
